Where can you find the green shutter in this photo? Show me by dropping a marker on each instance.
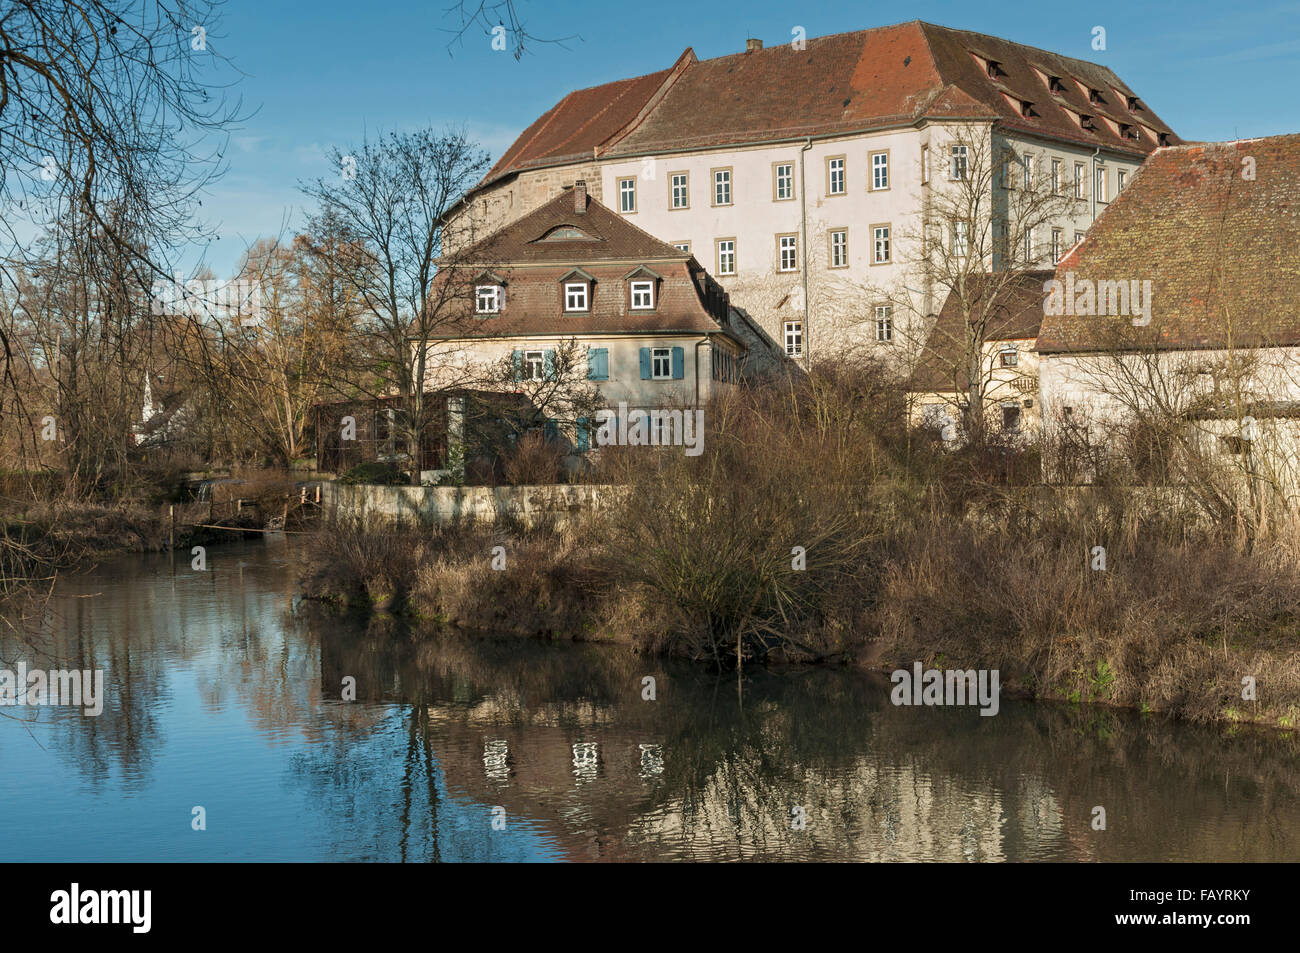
(550, 366)
(679, 363)
(598, 364)
(645, 363)
(583, 437)
(517, 365)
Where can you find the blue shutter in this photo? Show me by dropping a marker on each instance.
(517, 365)
(550, 366)
(679, 363)
(598, 364)
(584, 438)
(645, 364)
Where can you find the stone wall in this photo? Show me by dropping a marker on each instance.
(446, 504)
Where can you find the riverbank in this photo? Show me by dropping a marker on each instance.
(1169, 625)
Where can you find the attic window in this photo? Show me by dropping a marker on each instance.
(566, 233)
(1054, 85)
(1164, 138)
(1128, 131)
(1094, 96)
(1085, 122)
(1133, 104)
(991, 67)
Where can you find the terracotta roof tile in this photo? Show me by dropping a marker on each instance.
(844, 83)
(1218, 249)
(686, 297)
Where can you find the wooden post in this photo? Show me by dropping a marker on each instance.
(318, 494)
(171, 515)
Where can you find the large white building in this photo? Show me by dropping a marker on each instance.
(799, 175)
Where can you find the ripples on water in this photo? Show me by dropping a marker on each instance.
(224, 693)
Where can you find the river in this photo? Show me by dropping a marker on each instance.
(223, 693)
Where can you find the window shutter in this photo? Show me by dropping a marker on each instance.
(551, 431)
(598, 364)
(583, 438)
(679, 363)
(517, 365)
(550, 365)
(645, 363)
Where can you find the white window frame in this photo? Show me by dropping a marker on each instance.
(884, 314)
(793, 332)
(1058, 176)
(685, 190)
(961, 238)
(529, 366)
(882, 237)
(722, 181)
(664, 354)
(840, 174)
(840, 248)
(779, 180)
(570, 296)
(1008, 352)
(1120, 177)
(1099, 184)
(957, 171)
(626, 191)
(721, 252)
(1027, 170)
(879, 171)
(645, 291)
(1058, 240)
(1080, 181)
(787, 246)
(493, 294)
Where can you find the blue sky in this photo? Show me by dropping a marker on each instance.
(327, 72)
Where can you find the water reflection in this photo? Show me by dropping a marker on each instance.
(224, 692)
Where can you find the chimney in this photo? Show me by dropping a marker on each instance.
(752, 44)
(580, 197)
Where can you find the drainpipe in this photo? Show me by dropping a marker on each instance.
(1093, 190)
(703, 340)
(803, 242)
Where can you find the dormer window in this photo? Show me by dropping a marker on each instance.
(1054, 85)
(1094, 96)
(1133, 104)
(643, 295)
(576, 296)
(991, 67)
(566, 233)
(1085, 122)
(1164, 138)
(1128, 131)
(576, 289)
(487, 299)
(641, 285)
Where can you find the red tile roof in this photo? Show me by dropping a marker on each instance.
(843, 83)
(613, 248)
(1218, 249)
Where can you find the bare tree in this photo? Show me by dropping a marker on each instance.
(392, 200)
(499, 19)
(981, 230)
